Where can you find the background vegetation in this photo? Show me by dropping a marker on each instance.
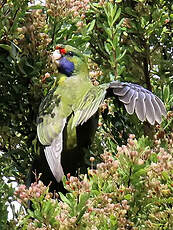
(126, 40)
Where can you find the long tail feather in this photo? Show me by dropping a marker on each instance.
(53, 154)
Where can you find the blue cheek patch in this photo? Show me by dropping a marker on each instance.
(66, 67)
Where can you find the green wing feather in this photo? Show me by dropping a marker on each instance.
(89, 104)
(50, 125)
(47, 125)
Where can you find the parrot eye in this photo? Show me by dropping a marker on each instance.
(70, 53)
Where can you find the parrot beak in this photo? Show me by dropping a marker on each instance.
(56, 56)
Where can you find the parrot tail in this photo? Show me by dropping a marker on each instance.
(53, 156)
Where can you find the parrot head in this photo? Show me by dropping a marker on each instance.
(69, 60)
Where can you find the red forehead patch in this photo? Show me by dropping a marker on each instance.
(61, 50)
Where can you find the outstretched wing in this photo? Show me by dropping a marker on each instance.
(144, 103)
(89, 104)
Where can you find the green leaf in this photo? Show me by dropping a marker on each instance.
(137, 49)
(121, 70)
(119, 24)
(91, 25)
(106, 11)
(165, 175)
(110, 12)
(153, 157)
(64, 199)
(5, 47)
(128, 196)
(166, 93)
(108, 48)
(121, 56)
(109, 32)
(114, 222)
(115, 41)
(113, 9)
(131, 12)
(116, 16)
(31, 213)
(36, 7)
(17, 48)
(82, 201)
(82, 212)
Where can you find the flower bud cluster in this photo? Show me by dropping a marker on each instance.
(63, 8)
(94, 72)
(170, 115)
(79, 9)
(34, 29)
(127, 23)
(77, 185)
(111, 195)
(142, 8)
(159, 173)
(106, 169)
(31, 226)
(103, 207)
(58, 8)
(164, 163)
(161, 136)
(36, 189)
(131, 152)
(43, 78)
(64, 218)
(102, 2)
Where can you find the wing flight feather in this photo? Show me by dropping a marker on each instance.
(89, 105)
(137, 99)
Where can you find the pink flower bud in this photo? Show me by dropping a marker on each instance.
(37, 194)
(140, 162)
(82, 16)
(131, 136)
(79, 24)
(92, 159)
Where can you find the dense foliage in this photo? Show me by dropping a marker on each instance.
(126, 40)
(133, 190)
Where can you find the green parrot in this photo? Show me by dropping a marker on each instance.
(74, 100)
